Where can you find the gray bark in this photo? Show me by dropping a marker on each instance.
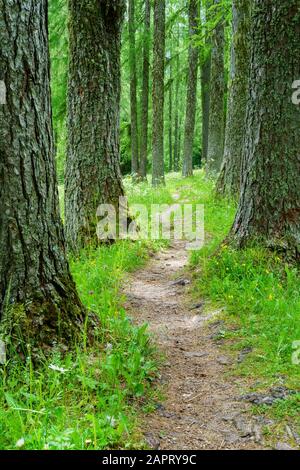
(229, 179)
(93, 172)
(269, 207)
(158, 93)
(191, 99)
(145, 92)
(217, 91)
(38, 299)
(133, 90)
(205, 88)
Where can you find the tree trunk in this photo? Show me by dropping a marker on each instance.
(205, 90)
(38, 298)
(145, 92)
(269, 208)
(229, 179)
(191, 99)
(217, 91)
(158, 93)
(176, 118)
(93, 172)
(171, 114)
(133, 89)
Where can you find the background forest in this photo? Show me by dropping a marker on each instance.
(193, 101)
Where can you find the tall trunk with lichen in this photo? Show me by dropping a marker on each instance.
(92, 174)
(205, 67)
(269, 207)
(38, 299)
(158, 93)
(229, 178)
(133, 90)
(176, 151)
(191, 99)
(217, 94)
(145, 92)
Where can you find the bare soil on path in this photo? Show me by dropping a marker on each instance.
(203, 409)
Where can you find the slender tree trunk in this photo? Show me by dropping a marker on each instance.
(269, 208)
(93, 172)
(176, 118)
(205, 90)
(133, 90)
(145, 92)
(38, 298)
(171, 114)
(217, 91)
(191, 99)
(158, 93)
(229, 179)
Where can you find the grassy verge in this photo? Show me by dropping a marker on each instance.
(89, 398)
(261, 295)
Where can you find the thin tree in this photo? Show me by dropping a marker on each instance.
(229, 179)
(269, 207)
(205, 82)
(177, 106)
(217, 92)
(170, 111)
(158, 93)
(38, 299)
(93, 172)
(145, 92)
(191, 99)
(133, 90)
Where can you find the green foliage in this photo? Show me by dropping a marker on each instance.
(58, 36)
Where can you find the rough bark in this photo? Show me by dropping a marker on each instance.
(145, 92)
(191, 98)
(158, 93)
(38, 299)
(217, 91)
(176, 117)
(133, 90)
(229, 179)
(93, 172)
(269, 208)
(170, 114)
(205, 89)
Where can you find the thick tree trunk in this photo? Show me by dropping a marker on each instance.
(158, 93)
(269, 208)
(229, 179)
(191, 99)
(205, 89)
(93, 172)
(133, 89)
(38, 299)
(145, 92)
(217, 91)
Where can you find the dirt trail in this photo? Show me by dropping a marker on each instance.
(202, 408)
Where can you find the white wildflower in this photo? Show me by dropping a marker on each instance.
(58, 369)
(20, 443)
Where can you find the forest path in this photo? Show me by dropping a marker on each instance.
(202, 409)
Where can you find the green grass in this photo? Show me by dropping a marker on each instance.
(90, 398)
(261, 296)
